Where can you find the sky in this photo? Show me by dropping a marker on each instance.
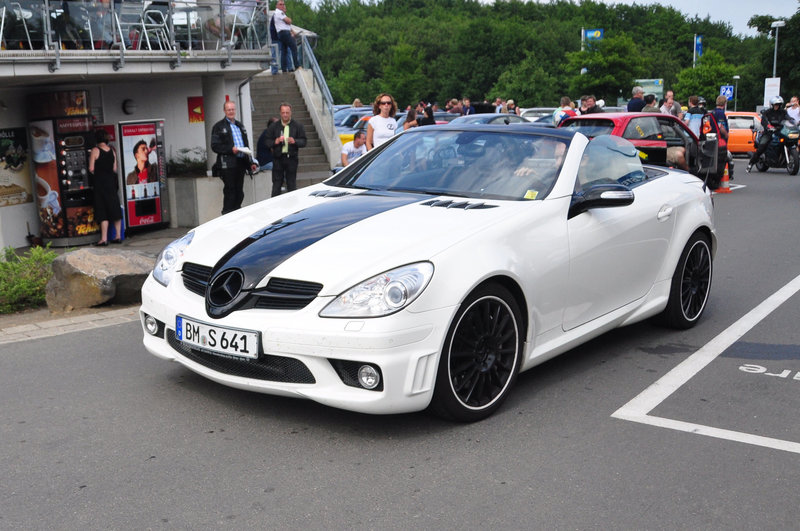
(734, 12)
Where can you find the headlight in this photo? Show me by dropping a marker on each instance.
(382, 295)
(168, 258)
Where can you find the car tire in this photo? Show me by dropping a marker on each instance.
(481, 356)
(691, 284)
(793, 164)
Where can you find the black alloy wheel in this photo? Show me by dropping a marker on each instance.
(691, 284)
(481, 356)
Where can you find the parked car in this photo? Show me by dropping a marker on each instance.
(348, 118)
(654, 134)
(441, 117)
(490, 118)
(532, 113)
(741, 125)
(433, 270)
(347, 135)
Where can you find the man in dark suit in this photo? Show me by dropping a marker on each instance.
(229, 142)
(285, 136)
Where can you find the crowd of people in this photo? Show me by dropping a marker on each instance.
(277, 146)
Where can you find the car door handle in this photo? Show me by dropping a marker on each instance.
(664, 213)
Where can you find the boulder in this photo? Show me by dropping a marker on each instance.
(95, 276)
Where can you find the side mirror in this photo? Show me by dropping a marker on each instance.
(600, 196)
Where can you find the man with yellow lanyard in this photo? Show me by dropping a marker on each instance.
(285, 136)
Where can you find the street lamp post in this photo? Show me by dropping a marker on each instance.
(736, 91)
(777, 25)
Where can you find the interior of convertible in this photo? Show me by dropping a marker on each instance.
(474, 164)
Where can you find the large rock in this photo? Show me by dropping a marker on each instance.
(90, 277)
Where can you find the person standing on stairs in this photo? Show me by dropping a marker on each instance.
(285, 136)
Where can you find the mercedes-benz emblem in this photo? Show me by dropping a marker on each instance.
(225, 287)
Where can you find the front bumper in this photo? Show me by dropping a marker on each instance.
(301, 352)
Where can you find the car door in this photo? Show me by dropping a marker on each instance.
(678, 135)
(645, 133)
(616, 253)
(740, 139)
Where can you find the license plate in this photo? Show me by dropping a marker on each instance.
(218, 339)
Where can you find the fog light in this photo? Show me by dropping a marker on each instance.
(150, 324)
(368, 377)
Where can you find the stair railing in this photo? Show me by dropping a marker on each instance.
(309, 62)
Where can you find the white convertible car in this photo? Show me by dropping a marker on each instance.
(434, 270)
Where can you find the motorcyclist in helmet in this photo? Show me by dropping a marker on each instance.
(771, 119)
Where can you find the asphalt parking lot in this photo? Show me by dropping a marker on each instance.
(738, 385)
(642, 428)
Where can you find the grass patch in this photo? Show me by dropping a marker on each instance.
(23, 278)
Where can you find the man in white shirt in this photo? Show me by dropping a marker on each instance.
(793, 109)
(355, 148)
(283, 25)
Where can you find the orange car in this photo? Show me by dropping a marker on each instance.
(740, 137)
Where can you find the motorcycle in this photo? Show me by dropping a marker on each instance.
(782, 149)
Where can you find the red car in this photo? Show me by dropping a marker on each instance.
(663, 139)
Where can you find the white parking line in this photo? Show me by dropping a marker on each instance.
(637, 409)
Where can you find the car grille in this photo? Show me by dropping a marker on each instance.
(266, 367)
(280, 293)
(286, 294)
(196, 277)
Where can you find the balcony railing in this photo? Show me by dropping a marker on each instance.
(108, 30)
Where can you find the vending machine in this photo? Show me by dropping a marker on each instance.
(62, 137)
(144, 171)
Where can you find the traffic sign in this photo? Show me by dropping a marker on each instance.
(727, 91)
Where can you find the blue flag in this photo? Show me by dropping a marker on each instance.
(593, 34)
(698, 45)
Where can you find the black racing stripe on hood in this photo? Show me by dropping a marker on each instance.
(263, 251)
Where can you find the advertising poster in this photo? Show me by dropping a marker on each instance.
(45, 177)
(141, 146)
(59, 104)
(15, 184)
(196, 112)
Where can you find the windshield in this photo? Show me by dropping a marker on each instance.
(590, 128)
(472, 164)
(341, 114)
(740, 122)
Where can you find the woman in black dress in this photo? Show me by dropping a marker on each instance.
(103, 165)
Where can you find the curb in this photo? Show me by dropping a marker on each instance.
(58, 326)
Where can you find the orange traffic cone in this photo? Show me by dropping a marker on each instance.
(724, 184)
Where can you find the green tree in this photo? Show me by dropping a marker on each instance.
(611, 66)
(525, 50)
(706, 78)
(402, 77)
(528, 83)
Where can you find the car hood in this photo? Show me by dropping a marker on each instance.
(338, 237)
